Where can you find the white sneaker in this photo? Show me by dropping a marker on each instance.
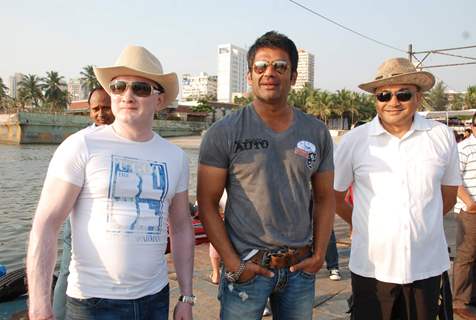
(266, 312)
(334, 274)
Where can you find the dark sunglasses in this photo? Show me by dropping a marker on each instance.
(139, 88)
(280, 66)
(402, 96)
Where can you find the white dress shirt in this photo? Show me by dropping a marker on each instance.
(397, 218)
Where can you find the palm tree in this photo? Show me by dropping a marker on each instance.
(470, 97)
(54, 91)
(89, 78)
(437, 98)
(3, 94)
(344, 101)
(320, 104)
(30, 90)
(298, 98)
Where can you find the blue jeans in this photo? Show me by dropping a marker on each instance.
(332, 256)
(291, 296)
(59, 296)
(152, 307)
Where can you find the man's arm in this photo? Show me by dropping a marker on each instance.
(323, 220)
(464, 195)
(56, 201)
(448, 194)
(343, 209)
(182, 240)
(210, 185)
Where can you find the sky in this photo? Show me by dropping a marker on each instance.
(65, 36)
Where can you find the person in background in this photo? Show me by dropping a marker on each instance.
(99, 103)
(464, 280)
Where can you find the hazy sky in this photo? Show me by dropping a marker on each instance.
(39, 36)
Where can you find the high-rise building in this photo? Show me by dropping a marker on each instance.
(13, 82)
(201, 86)
(232, 69)
(76, 90)
(305, 70)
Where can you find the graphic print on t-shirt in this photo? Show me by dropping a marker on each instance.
(137, 190)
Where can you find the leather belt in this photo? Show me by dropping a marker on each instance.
(283, 258)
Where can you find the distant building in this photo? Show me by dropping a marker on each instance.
(201, 86)
(76, 90)
(13, 82)
(305, 70)
(232, 69)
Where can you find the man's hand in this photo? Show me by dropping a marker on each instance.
(183, 311)
(310, 265)
(471, 208)
(251, 270)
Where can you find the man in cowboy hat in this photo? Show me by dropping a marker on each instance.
(123, 185)
(404, 173)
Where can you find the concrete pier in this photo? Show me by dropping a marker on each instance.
(49, 128)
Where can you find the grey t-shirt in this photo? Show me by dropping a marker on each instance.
(269, 176)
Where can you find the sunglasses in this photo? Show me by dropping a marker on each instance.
(280, 66)
(402, 96)
(139, 88)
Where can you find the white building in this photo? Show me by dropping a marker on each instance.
(201, 86)
(13, 84)
(305, 70)
(76, 91)
(232, 69)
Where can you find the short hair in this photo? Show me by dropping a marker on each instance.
(273, 39)
(94, 90)
(474, 117)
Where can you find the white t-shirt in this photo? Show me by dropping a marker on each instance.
(397, 219)
(119, 221)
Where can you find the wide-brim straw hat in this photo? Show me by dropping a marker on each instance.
(138, 61)
(399, 71)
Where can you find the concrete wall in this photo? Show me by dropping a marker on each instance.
(43, 128)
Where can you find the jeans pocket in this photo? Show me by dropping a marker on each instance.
(308, 275)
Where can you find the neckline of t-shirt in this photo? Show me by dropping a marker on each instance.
(270, 131)
(117, 135)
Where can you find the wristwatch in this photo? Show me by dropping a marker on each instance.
(234, 276)
(188, 299)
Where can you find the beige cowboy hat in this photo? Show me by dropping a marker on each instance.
(399, 71)
(138, 61)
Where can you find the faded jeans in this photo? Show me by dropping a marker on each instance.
(291, 296)
(152, 307)
(59, 297)
(332, 256)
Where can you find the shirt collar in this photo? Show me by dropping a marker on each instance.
(419, 124)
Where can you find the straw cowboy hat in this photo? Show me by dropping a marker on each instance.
(138, 61)
(399, 71)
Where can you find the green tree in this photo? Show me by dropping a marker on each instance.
(298, 98)
(470, 97)
(29, 91)
(243, 101)
(3, 95)
(203, 106)
(457, 103)
(437, 98)
(366, 107)
(89, 78)
(344, 103)
(55, 93)
(320, 104)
